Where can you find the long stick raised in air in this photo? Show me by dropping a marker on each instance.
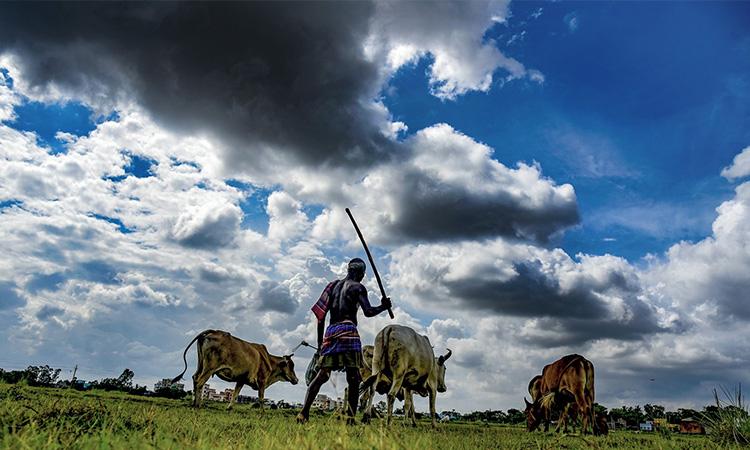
(369, 256)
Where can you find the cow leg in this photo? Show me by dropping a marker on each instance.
(262, 397)
(236, 392)
(199, 379)
(433, 413)
(409, 407)
(390, 399)
(367, 397)
(562, 421)
(395, 388)
(584, 410)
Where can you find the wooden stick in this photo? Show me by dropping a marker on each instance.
(369, 256)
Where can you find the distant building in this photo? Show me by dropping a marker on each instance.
(226, 395)
(646, 426)
(81, 385)
(619, 424)
(689, 425)
(325, 402)
(210, 393)
(167, 383)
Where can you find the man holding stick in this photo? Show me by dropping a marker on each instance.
(340, 346)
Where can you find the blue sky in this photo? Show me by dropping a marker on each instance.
(534, 178)
(641, 107)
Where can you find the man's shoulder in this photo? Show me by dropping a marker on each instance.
(356, 286)
(331, 285)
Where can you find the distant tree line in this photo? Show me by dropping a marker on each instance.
(632, 415)
(46, 376)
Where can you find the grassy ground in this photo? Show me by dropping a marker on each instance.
(52, 418)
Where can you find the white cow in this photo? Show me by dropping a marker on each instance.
(403, 359)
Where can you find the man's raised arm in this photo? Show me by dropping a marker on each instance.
(367, 308)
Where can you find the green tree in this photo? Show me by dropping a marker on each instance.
(653, 411)
(125, 380)
(515, 416)
(685, 413)
(631, 414)
(673, 417)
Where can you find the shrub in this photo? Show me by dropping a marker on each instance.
(729, 422)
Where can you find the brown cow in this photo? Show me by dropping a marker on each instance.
(550, 406)
(234, 360)
(566, 385)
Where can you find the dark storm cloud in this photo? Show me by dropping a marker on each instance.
(564, 317)
(431, 211)
(274, 296)
(209, 228)
(278, 82)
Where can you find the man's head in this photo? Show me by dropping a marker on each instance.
(355, 270)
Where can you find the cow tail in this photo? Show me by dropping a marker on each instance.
(184, 355)
(379, 359)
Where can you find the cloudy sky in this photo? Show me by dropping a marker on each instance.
(535, 179)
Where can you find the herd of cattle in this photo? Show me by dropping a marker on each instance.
(401, 363)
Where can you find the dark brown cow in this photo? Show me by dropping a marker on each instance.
(566, 385)
(550, 407)
(234, 360)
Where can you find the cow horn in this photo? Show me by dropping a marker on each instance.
(527, 402)
(447, 355)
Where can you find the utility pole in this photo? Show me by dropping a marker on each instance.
(73, 380)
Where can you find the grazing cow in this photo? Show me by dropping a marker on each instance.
(550, 406)
(402, 359)
(369, 393)
(364, 373)
(238, 361)
(535, 391)
(566, 385)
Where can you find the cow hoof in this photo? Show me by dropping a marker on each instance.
(301, 418)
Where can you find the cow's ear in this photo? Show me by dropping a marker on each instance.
(441, 360)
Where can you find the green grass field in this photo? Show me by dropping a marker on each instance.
(35, 418)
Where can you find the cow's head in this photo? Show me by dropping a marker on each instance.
(286, 366)
(441, 370)
(534, 414)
